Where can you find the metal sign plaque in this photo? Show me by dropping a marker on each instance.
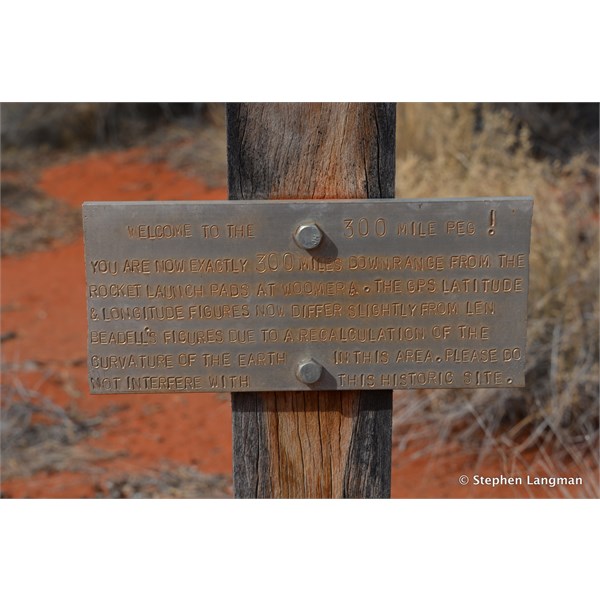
(297, 295)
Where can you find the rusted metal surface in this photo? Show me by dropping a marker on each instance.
(257, 295)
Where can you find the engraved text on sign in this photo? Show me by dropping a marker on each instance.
(292, 295)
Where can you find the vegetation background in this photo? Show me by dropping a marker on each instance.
(549, 151)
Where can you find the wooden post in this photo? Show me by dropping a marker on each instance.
(311, 444)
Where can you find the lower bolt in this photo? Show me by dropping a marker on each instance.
(309, 371)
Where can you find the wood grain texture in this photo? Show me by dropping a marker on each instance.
(311, 444)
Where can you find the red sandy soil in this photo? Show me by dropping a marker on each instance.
(43, 302)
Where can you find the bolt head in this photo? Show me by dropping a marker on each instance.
(309, 371)
(308, 236)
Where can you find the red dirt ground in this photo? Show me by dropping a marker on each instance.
(43, 302)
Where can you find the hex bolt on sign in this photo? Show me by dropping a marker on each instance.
(308, 236)
(309, 371)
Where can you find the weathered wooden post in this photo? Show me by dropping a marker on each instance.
(314, 444)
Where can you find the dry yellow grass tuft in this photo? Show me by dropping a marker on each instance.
(447, 150)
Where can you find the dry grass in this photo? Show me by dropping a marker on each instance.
(38, 435)
(171, 481)
(41, 221)
(462, 150)
(198, 150)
